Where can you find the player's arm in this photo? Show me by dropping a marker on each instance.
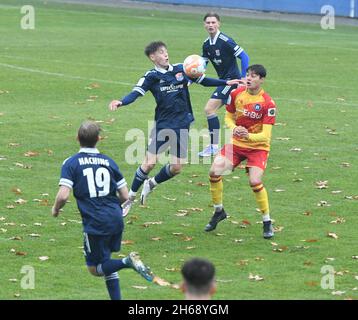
(142, 86)
(61, 199)
(123, 194)
(244, 63)
(263, 136)
(211, 82)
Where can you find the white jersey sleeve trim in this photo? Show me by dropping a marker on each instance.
(66, 182)
(237, 53)
(199, 80)
(122, 183)
(140, 90)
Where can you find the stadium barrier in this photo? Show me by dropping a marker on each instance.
(345, 8)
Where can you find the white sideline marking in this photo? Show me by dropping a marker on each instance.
(343, 104)
(61, 75)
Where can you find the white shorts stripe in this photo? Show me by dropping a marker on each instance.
(226, 89)
(87, 242)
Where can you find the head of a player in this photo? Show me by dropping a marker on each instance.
(212, 23)
(157, 53)
(255, 77)
(198, 279)
(88, 134)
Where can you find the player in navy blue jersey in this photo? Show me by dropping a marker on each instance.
(96, 181)
(222, 51)
(173, 116)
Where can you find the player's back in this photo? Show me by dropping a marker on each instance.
(95, 179)
(222, 52)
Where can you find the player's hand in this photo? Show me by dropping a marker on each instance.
(239, 82)
(55, 212)
(114, 105)
(241, 132)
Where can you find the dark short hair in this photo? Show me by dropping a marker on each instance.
(153, 47)
(198, 275)
(211, 14)
(88, 134)
(258, 69)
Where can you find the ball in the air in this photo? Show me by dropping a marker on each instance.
(194, 66)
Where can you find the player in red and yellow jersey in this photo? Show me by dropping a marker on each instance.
(250, 114)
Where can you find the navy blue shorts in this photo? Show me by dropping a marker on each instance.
(223, 93)
(98, 249)
(176, 140)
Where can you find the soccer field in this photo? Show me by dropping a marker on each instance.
(78, 58)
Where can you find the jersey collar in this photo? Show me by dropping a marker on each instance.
(162, 70)
(88, 150)
(213, 41)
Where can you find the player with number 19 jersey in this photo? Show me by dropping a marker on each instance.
(95, 179)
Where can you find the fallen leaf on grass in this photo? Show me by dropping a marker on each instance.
(322, 184)
(34, 235)
(296, 149)
(238, 240)
(16, 238)
(338, 293)
(127, 242)
(160, 282)
(345, 164)
(23, 166)
(140, 287)
(197, 209)
(336, 191)
(279, 190)
(278, 228)
(255, 277)
(297, 180)
(172, 269)
(156, 238)
(147, 224)
(283, 138)
(3, 230)
(355, 257)
(3, 158)
(14, 144)
(2, 218)
(311, 283)
(20, 201)
(177, 234)
(310, 240)
(13, 280)
(43, 258)
(307, 213)
(332, 235)
(31, 154)
(17, 191)
(201, 184)
(169, 199)
(323, 203)
(280, 249)
(190, 248)
(220, 234)
(259, 259)
(17, 295)
(338, 220)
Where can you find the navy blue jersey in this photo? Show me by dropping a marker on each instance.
(95, 179)
(170, 91)
(223, 51)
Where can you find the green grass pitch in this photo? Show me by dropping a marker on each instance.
(46, 91)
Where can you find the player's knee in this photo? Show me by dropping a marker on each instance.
(147, 167)
(175, 168)
(254, 182)
(209, 110)
(93, 271)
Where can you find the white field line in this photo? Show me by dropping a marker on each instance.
(62, 75)
(304, 102)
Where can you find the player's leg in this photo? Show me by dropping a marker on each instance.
(211, 109)
(222, 164)
(256, 166)
(177, 142)
(96, 256)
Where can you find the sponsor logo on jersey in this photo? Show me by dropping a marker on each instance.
(217, 61)
(252, 114)
(179, 76)
(172, 88)
(257, 107)
(217, 52)
(271, 112)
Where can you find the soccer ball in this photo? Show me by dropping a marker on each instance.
(194, 66)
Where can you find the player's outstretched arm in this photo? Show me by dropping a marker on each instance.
(115, 104)
(61, 199)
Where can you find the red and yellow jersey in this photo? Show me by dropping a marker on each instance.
(251, 112)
